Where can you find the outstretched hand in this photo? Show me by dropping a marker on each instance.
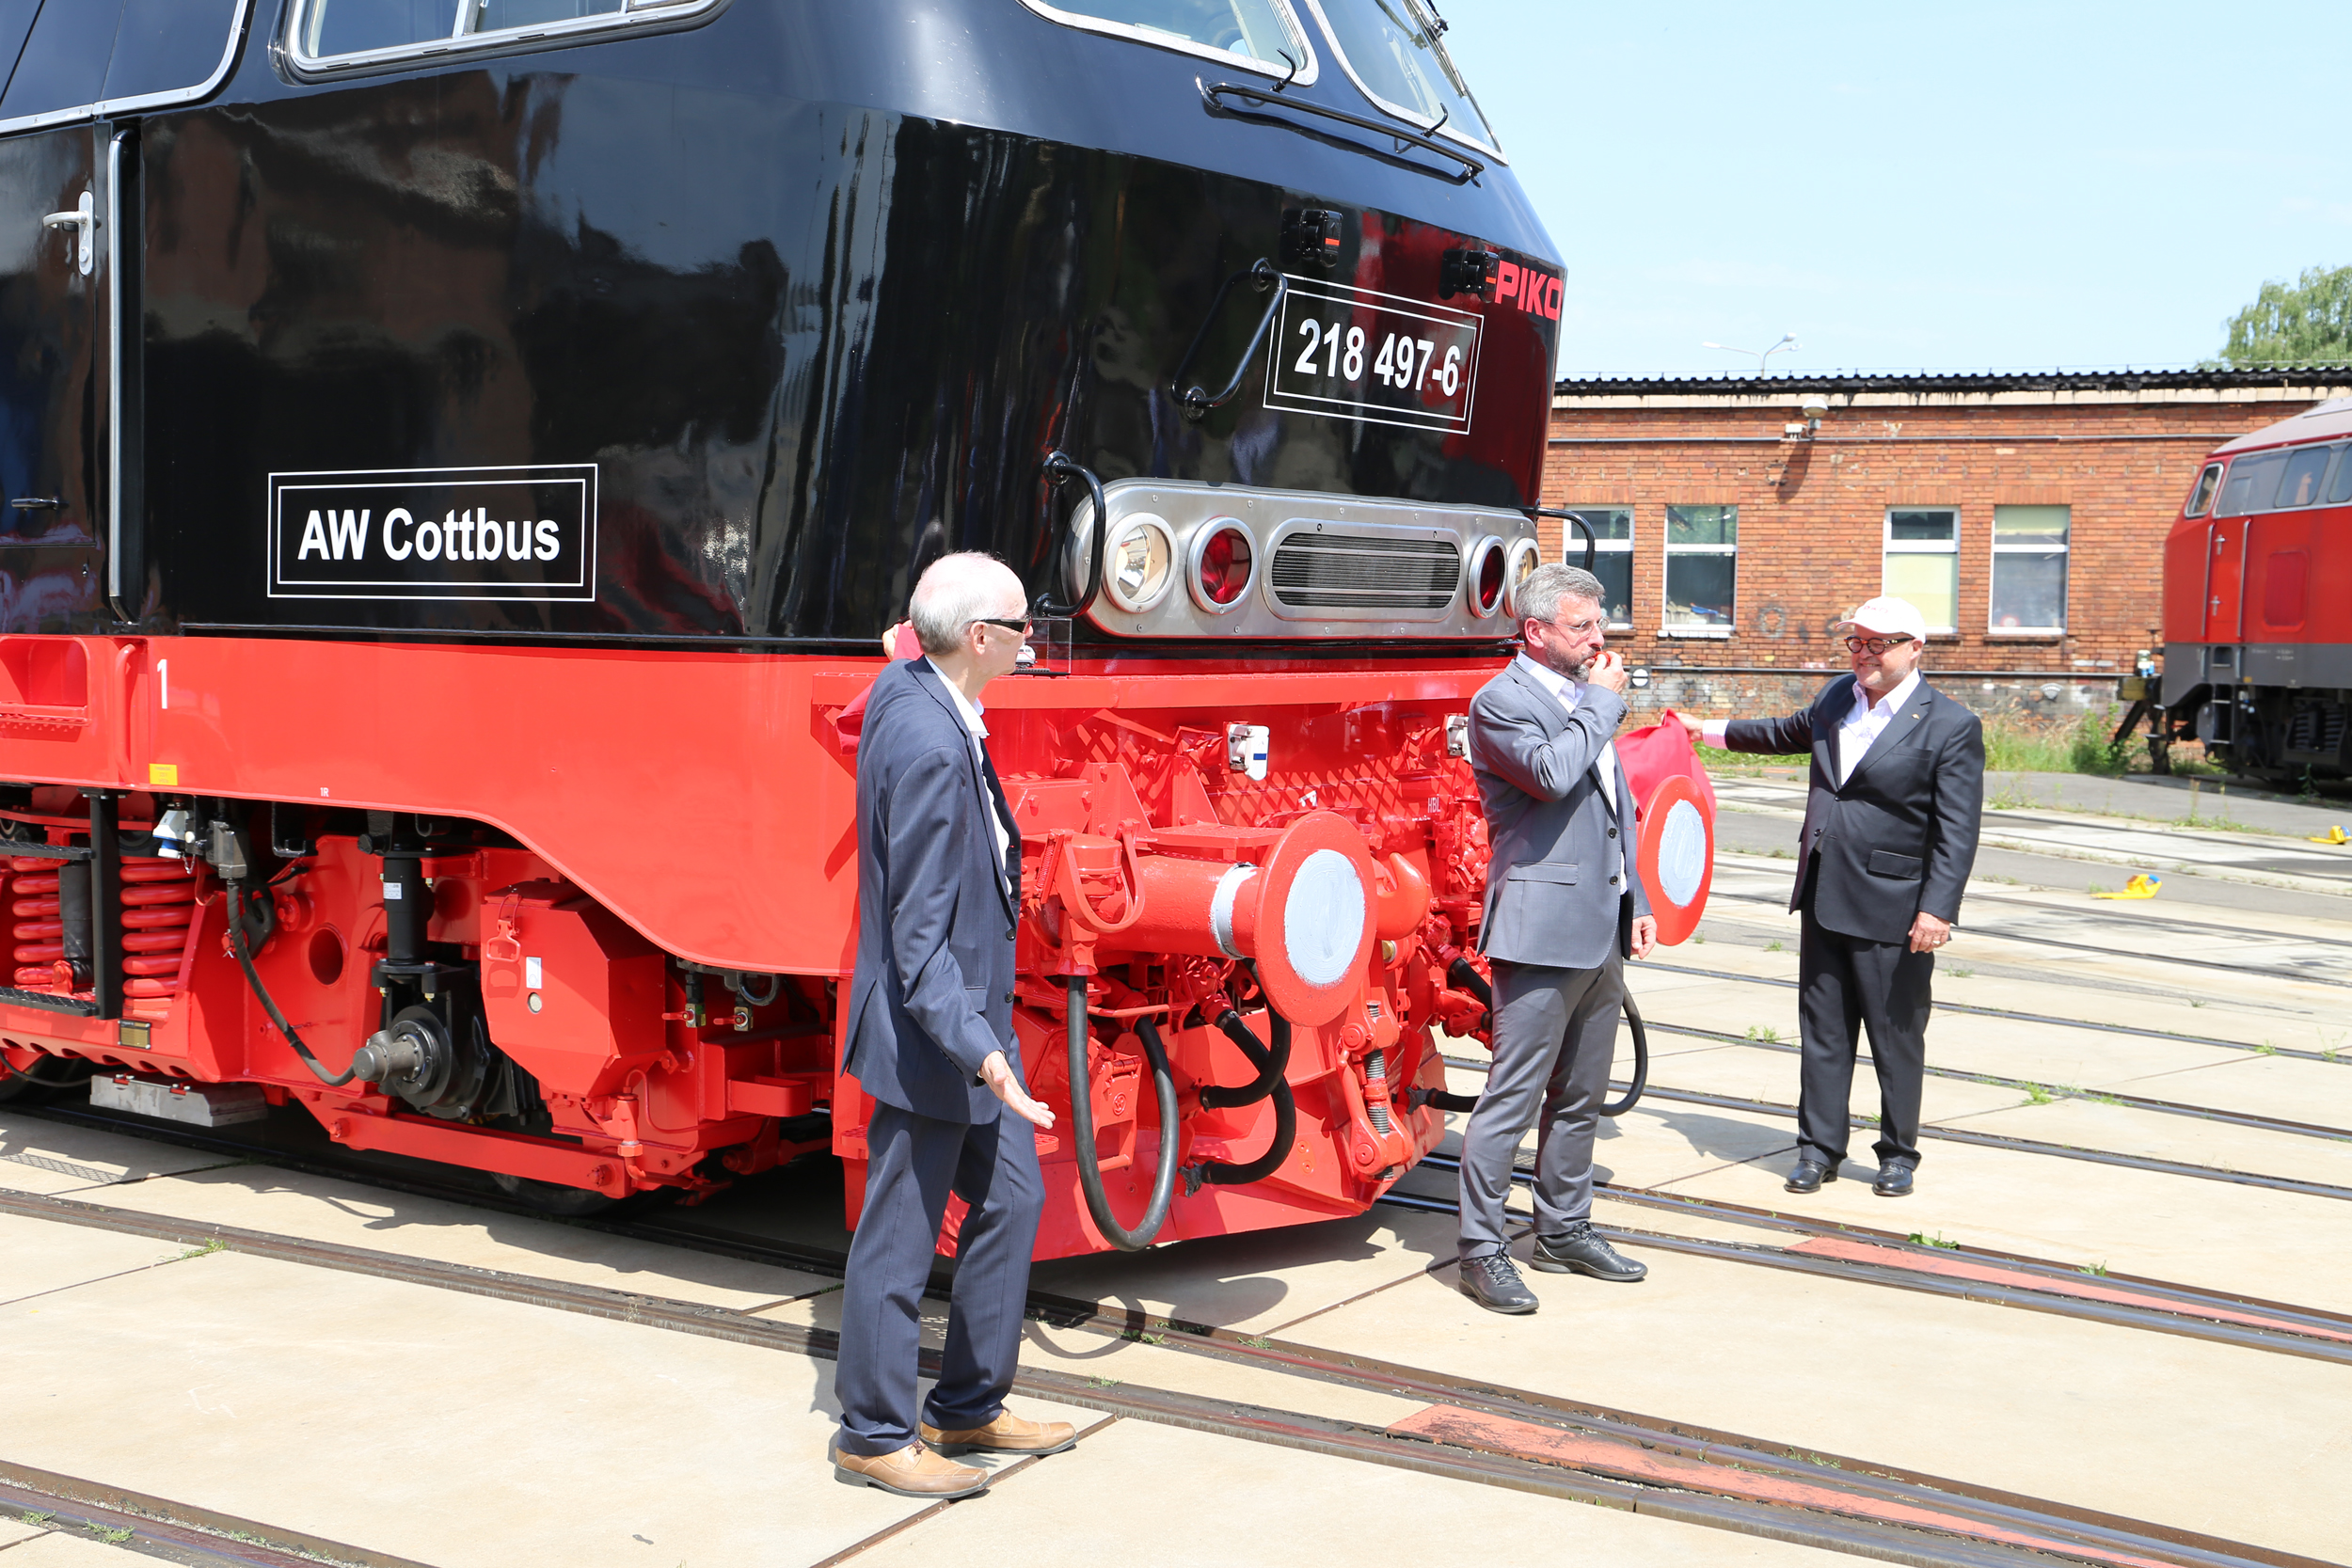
(1006, 1085)
(1694, 728)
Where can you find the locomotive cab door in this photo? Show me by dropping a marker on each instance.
(52, 203)
(2225, 579)
(72, 520)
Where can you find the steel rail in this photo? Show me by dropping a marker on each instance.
(2338, 1060)
(1711, 1479)
(163, 1531)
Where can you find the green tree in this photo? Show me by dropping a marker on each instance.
(2307, 321)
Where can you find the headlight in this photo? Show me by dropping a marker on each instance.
(1522, 558)
(1142, 566)
(1221, 564)
(1484, 577)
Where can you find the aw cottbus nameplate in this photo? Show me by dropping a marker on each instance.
(435, 533)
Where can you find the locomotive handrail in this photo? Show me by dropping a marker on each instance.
(1217, 93)
(1262, 274)
(1591, 545)
(1058, 467)
(1082, 1129)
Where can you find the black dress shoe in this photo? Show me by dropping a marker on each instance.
(1894, 1182)
(1581, 1250)
(1809, 1176)
(1495, 1285)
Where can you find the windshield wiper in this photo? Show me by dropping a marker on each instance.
(1217, 94)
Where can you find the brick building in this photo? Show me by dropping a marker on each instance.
(2025, 514)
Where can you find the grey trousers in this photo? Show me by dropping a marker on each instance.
(1556, 1034)
(913, 1163)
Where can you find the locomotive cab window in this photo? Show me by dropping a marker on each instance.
(2252, 484)
(129, 53)
(340, 33)
(1260, 35)
(2202, 497)
(2305, 477)
(1391, 50)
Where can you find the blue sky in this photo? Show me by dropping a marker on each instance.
(1939, 187)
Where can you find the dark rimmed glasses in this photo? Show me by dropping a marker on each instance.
(1876, 644)
(1021, 626)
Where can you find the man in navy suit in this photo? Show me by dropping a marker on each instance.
(1890, 834)
(930, 1040)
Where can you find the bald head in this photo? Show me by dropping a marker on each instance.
(957, 590)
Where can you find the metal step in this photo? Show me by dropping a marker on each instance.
(197, 1105)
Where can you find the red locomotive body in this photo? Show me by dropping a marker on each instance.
(461, 467)
(2258, 602)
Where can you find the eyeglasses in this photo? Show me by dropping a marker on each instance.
(1580, 628)
(1876, 644)
(1021, 628)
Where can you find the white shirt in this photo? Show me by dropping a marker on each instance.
(1861, 726)
(1567, 690)
(970, 712)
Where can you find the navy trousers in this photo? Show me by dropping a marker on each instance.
(912, 1164)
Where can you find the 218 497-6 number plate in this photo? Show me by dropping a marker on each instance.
(1358, 354)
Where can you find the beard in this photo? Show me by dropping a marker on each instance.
(1570, 662)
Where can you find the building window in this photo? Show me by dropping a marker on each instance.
(1612, 556)
(1701, 570)
(2029, 568)
(1922, 561)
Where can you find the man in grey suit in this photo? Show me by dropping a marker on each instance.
(1564, 906)
(930, 1040)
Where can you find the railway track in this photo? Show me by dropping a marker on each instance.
(1467, 1430)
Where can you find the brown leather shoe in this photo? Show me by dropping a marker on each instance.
(914, 1471)
(1007, 1433)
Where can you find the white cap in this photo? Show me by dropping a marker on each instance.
(1888, 617)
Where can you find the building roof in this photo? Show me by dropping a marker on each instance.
(1849, 388)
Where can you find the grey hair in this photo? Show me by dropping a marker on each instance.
(1541, 591)
(954, 591)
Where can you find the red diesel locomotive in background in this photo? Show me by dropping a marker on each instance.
(2258, 602)
(460, 463)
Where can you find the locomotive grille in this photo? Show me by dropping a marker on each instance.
(1365, 571)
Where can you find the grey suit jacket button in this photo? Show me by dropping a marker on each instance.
(1007, 999)
(1011, 933)
(1613, 832)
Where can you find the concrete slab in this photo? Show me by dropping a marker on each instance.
(41, 1256)
(13, 1530)
(321, 1208)
(2151, 1134)
(2188, 1230)
(2041, 1405)
(2318, 1093)
(49, 1157)
(1052, 1515)
(1259, 1281)
(488, 1432)
(1760, 1072)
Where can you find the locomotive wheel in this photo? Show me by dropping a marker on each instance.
(552, 1198)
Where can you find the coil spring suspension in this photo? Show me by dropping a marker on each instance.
(158, 907)
(1376, 1071)
(38, 926)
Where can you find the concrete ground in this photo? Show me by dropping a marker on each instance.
(439, 1426)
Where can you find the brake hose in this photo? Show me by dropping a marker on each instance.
(1272, 1065)
(1082, 1129)
(245, 959)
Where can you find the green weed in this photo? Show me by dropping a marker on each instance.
(31, 1518)
(1917, 1239)
(116, 1536)
(1960, 973)
(1776, 945)
(2098, 1271)
(2037, 1094)
(215, 1244)
(1259, 1342)
(1765, 1033)
(1100, 1382)
(2267, 1048)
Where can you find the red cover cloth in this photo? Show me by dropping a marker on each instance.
(851, 721)
(1656, 753)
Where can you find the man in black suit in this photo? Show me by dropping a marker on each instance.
(930, 1040)
(1890, 834)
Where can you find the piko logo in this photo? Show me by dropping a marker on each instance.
(435, 533)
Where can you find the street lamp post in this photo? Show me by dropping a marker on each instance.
(1788, 339)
